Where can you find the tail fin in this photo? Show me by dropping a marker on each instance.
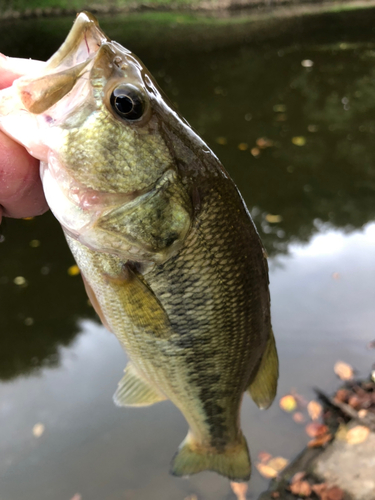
(233, 463)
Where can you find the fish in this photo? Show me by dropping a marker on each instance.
(169, 255)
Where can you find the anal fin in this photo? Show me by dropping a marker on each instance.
(263, 388)
(133, 390)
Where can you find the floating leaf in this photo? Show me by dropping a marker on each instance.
(319, 441)
(343, 370)
(272, 467)
(299, 417)
(357, 434)
(266, 471)
(20, 281)
(288, 403)
(243, 146)
(301, 488)
(314, 429)
(315, 410)
(34, 243)
(264, 457)
(221, 140)
(240, 490)
(307, 63)
(263, 143)
(273, 219)
(278, 463)
(299, 141)
(336, 276)
(279, 108)
(73, 270)
(255, 151)
(38, 430)
(77, 496)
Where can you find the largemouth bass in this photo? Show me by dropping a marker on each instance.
(170, 257)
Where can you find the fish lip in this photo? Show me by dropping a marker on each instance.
(86, 31)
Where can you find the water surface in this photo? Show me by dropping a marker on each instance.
(292, 118)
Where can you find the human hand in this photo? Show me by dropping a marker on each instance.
(21, 192)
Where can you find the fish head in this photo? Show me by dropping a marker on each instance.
(94, 116)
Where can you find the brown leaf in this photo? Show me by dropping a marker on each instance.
(278, 463)
(301, 488)
(343, 370)
(266, 471)
(354, 401)
(335, 493)
(342, 395)
(263, 143)
(298, 476)
(288, 403)
(315, 410)
(299, 417)
(357, 434)
(319, 489)
(319, 441)
(314, 429)
(264, 457)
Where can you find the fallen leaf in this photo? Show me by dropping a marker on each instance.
(264, 457)
(20, 281)
(341, 432)
(288, 403)
(314, 429)
(273, 219)
(266, 471)
(221, 140)
(278, 463)
(357, 434)
(264, 143)
(299, 141)
(343, 370)
(240, 490)
(342, 395)
(298, 476)
(315, 410)
(77, 496)
(279, 108)
(301, 488)
(243, 146)
(38, 430)
(335, 493)
(362, 413)
(319, 441)
(255, 151)
(34, 243)
(307, 63)
(73, 270)
(299, 417)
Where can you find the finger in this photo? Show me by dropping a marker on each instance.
(12, 68)
(21, 192)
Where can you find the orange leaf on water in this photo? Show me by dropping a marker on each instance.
(319, 441)
(315, 410)
(299, 417)
(288, 403)
(314, 429)
(343, 370)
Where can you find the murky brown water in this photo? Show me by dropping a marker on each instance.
(293, 120)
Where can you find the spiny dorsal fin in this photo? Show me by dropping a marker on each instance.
(133, 390)
(263, 388)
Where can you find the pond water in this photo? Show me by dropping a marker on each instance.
(292, 117)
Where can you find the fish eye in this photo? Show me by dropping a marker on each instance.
(127, 102)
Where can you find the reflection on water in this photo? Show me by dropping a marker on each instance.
(297, 139)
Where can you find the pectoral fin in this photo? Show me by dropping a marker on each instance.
(133, 390)
(141, 305)
(263, 388)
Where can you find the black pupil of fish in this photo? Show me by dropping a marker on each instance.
(127, 103)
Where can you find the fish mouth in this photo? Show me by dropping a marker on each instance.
(65, 67)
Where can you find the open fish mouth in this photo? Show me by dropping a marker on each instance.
(65, 67)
